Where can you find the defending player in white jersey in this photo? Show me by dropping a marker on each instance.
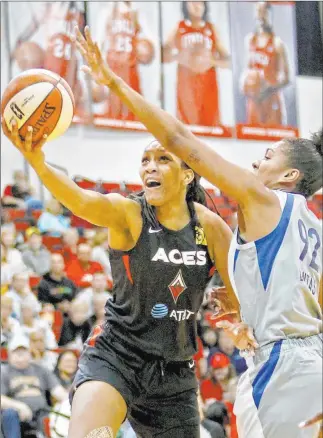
(275, 261)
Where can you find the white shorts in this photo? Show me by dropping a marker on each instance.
(282, 388)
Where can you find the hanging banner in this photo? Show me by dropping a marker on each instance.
(128, 36)
(197, 66)
(40, 37)
(263, 37)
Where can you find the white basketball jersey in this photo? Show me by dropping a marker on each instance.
(277, 277)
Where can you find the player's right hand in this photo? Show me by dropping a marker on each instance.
(33, 154)
(96, 68)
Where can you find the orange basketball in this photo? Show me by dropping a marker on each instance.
(41, 99)
(253, 82)
(29, 55)
(145, 51)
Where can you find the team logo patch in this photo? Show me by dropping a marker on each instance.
(200, 238)
(177, 286)
(159, 311)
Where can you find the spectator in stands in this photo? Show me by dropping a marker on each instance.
(99, 287)
(81, 270)
(9, 325)
(20, 194)
(218, 413)
(55, 288)
(66, 368)
(52, 221)
(99, 302)
(11, 258)
(70, 240)
(24, 386)
(76, 327)
(39, 353)
(20, 292)
(226, 346)
(222, 383)
(100, 252)
(31, 322)
(36, 256)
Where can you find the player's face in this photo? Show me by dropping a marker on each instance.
(274, 170)
(262, 16)
(163, 176)
(196, 9)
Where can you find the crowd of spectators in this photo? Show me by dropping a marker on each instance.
(52, 296)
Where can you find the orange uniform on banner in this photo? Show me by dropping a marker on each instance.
(197, 86)
(271, 110)
(122, 30)
(60, 54)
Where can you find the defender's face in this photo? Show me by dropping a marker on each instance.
(162, 175)
(272, 167)
(196, 9)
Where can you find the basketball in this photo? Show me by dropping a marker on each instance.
(252, 84)
(41, 99)
(29, 55)
(145, 51)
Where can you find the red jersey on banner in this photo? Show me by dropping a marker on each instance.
(197, 86)
(122, 31)
(265, 60)
(60, 54)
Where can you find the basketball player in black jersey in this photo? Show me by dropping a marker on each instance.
(163, 244)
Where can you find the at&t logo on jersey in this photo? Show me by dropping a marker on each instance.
(181, 315)
(159, 311)
(188, 258)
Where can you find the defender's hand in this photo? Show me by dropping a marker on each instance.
(97, 68)
(241, 335)
(218, 299)
(33, 154)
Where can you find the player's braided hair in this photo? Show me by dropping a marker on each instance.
(306, 156)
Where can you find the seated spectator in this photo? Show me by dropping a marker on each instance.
(39, 353)
(24, 386)
(66, 368)
(76, 326)
(226, 346)
(221, 385)
(100, 252)
(70, 240)
(31, 322)
(99, 303)
(81, 269)
(99, 287)
(20, 292)
(11, 258)
(9, 325)
(218, 413)
(55, 288)
(35, 256)
(52, 221)
(20, 194)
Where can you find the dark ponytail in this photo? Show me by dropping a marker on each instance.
(195, 192)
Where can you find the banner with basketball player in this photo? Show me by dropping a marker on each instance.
(264, 69)
(197, 66)
(39, 34)
(128, 36)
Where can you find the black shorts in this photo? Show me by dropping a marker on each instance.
(161, 396)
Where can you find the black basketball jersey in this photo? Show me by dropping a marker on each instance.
(158, 290)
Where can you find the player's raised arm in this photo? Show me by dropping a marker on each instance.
(236, 182)
(102, 210)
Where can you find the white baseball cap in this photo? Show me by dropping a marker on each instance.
(18, 341)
